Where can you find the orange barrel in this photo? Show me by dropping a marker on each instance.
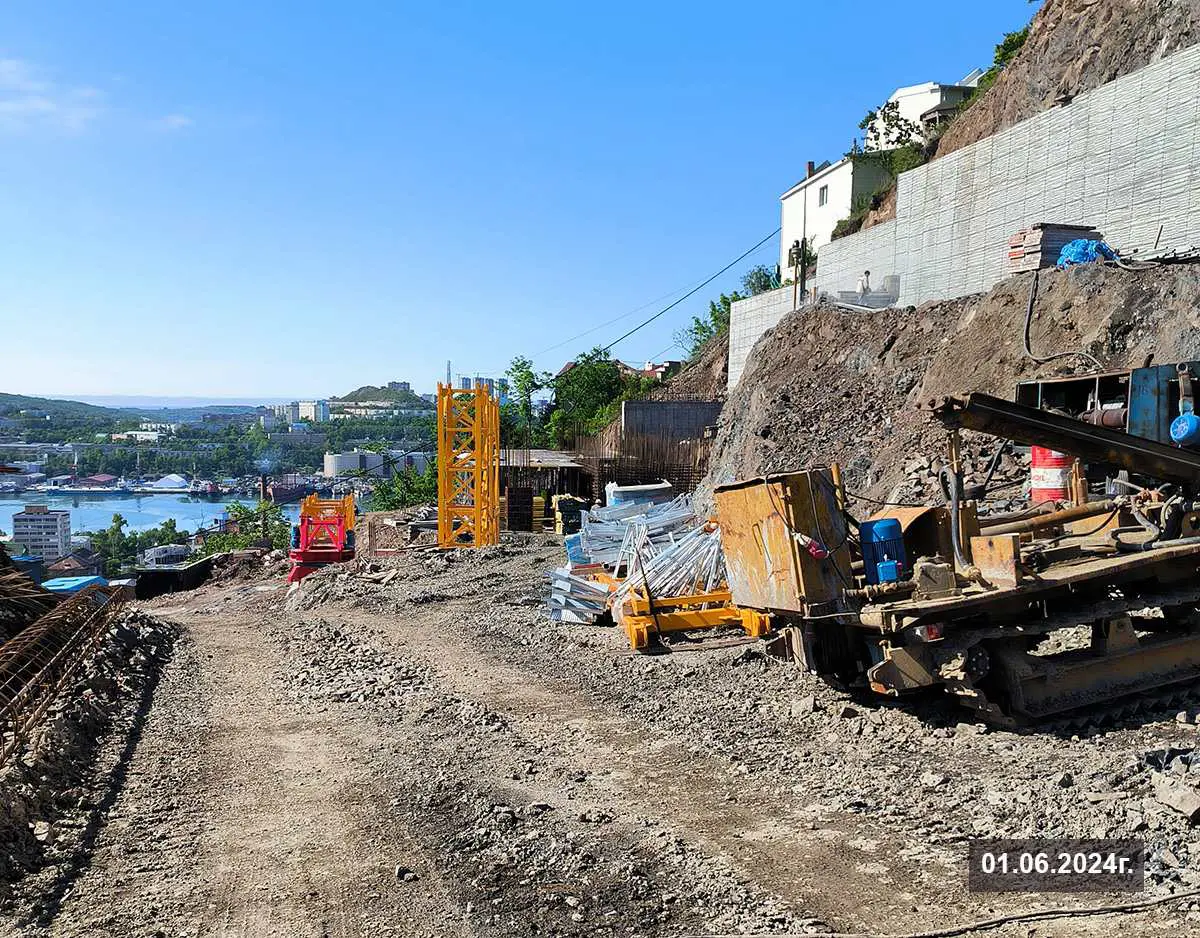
(1050, 476)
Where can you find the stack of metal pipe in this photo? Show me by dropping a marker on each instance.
(694, 563)
(612, 536)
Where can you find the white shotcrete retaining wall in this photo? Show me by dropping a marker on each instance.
(1124, 158)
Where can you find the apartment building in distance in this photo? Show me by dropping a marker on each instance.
(42, 532)
(315, 411)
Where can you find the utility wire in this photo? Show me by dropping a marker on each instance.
(615, 319)
(693, 291)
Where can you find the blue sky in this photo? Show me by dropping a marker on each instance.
(267, 199)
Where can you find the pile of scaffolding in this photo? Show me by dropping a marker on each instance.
(690, 565)
(651, 567)
(611, 543)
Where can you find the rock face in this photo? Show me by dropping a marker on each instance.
(1075, 46)
(827, 385)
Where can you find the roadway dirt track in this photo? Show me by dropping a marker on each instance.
(296, 759)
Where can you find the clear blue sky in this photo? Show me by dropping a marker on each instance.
(279, 199)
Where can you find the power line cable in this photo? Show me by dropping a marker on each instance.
(693, 291)
(615, 319)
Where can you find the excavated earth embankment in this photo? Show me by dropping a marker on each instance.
(831, 385)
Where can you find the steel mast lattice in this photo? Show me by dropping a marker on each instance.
(468, 467)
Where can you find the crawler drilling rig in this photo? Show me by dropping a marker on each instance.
(1049, 613)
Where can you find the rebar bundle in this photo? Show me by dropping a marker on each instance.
(37, 664)
(21, 601)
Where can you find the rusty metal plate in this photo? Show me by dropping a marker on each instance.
(768, 567)
(998, 557)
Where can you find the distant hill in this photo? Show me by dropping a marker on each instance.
(12, 403)
(368, 392)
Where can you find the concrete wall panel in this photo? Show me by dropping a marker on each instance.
(1124, 157)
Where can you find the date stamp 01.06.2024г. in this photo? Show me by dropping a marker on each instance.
(1055, 865)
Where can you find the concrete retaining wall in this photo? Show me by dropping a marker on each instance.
(1122, 158)
(749, 319)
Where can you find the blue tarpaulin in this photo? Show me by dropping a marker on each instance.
(73, 584)
(1084, 251)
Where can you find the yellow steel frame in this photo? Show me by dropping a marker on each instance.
(684, 613)
(468, 467)
(313, 506)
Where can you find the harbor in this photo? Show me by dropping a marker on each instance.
(93, 511)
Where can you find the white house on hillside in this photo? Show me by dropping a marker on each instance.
(926, 105)
(814, 205)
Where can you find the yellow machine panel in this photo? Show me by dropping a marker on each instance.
(774, 531)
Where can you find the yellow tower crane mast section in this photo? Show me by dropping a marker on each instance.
(468, 421)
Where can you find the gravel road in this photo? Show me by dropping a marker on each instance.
(431, 756)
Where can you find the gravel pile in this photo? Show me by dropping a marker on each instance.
(333, 665)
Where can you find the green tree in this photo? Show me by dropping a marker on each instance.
(405, 488)
(1009, 46)
(247, 526)
(591, 383)
(886, 129)
(761, 279)
(693, 337)
(524, 383)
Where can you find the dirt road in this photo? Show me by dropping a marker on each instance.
(433, 758)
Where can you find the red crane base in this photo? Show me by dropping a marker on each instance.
(305, 562)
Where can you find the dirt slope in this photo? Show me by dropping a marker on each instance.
(1074, 46)
(704, 378)
(831, 385)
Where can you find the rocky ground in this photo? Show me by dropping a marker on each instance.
(415, 749)
(1073, 47)
(887, 366)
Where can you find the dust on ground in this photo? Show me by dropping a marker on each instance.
(425, 753)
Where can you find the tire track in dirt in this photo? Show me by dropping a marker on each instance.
(274, 822)
(773, 837)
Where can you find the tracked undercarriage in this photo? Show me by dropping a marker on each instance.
(989, 648)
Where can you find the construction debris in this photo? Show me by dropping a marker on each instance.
(1039, 245)
(21, 601)
(1178, 797)
(574, 597)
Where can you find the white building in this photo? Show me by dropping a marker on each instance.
(814, 205)
(166, 555)
(137, 436)
(316, 411)
(43, 532)
(926, 105)
(400, 386)
(356, 461)
(288, 413)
